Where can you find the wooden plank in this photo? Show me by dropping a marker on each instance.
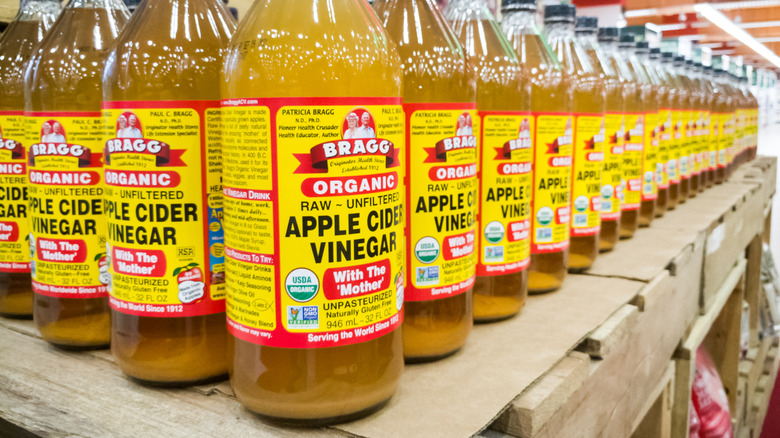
(654, 420)
(704, 322)
(753, 286)
(723, 344)
(498, 363)
(66, 394)
(612, 334)
(8, 10)
(619, 385)
(534, 407)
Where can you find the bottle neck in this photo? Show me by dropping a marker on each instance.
(96, 4)
(587, 37)
(467, 10)
(36, 10)
(558, 30)
(520, 22)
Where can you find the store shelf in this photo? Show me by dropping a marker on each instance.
(593, 359)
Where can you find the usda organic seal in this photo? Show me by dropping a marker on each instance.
(426, 250)
(581, 203)
(494, 232)
(545, 216)
(302, 285)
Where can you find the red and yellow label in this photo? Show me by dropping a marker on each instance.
(588, 160)
(314, 208)
(551, 202)
(612, 170)
(665, 139)
(14, 225)
(66, 190)
(725, 133)
(697, 159)
(504, 226)
(650, 166)
(163, 180)
(741, 131)
(442, 199)
(686, 143)
(676, 149)
(633, 161)
(712, 141)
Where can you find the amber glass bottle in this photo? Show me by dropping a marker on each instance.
(64, 92)
(661, 133)
(617, 78)
(689, 108)
(752, 123)
(706, 98)
(163, 192)
(711, 123)
(30, 25)
(725, 108)
(681, 115)
(673, 99)
(651, 85)
(295, 355)
(588, 106)
(504, 108)
(552, 131)
(438, 312)
(634, 142)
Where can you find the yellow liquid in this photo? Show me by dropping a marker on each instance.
(612, 75)
(169, 52)
(435, 71)
(589, 97)
(549, 93)
(500, 87)
(672, 103)
(724, 104)
(688, 108)
(67, 77)
(16, 48)
(629, 219)
(320, 385)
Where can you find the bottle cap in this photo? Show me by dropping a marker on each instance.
(518, 5)
(642, 45)
(608, 33)
(627, 38)
(587, 23)
(679, 58)
(560, 13)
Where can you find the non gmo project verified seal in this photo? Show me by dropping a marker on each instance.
(303, 317)
(428, 276)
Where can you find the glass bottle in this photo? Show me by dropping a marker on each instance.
(163, 192)
(662, 136)
(674, 98)
(30, 25)
(633, 154)
(617, 79)
(650, 94)
(686, 122)
(752, 114)
(64, 94)
(281, 368)
(588, 106)
(711, 123)
(706, 97)
(551, 130)
(504, 108)
(437, 81)
(724, 108)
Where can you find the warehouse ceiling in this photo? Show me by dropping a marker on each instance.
(677, 18)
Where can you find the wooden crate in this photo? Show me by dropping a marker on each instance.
(656, 420)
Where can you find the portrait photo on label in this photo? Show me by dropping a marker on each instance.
(465, 125)
(52, 132)
(359, 123)
(128, 125)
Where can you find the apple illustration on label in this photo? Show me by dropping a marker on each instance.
(103, 276)
(191, 284)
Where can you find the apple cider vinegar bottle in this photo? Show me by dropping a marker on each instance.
(552, 131)
(618, 77)
(504, 108)
(650, 95)
(17, 43)
(633, 153)
(588, 106)
(65, 129)
(314, 168)
(163, 176)
(442, 193)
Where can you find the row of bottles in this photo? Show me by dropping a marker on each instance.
(361, 187)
